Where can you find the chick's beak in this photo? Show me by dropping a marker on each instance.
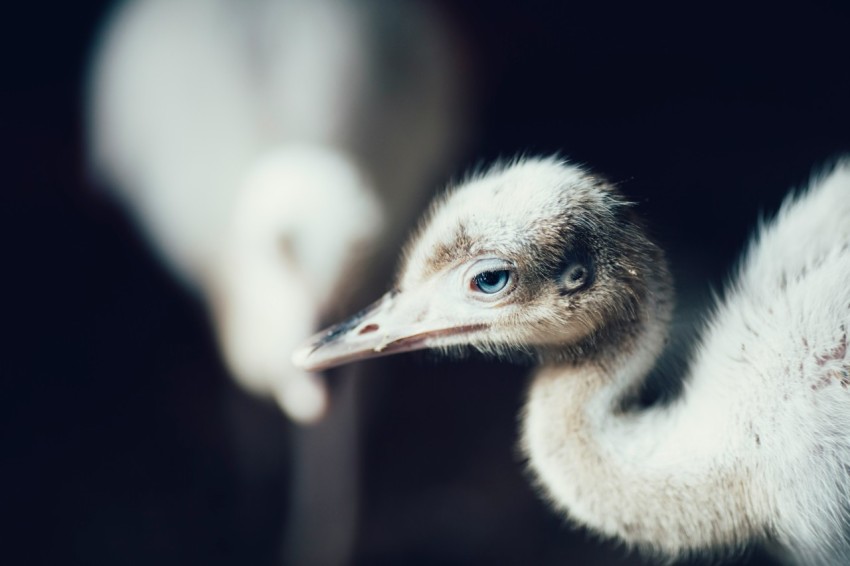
(396, 323)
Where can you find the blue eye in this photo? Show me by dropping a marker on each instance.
(491, 282)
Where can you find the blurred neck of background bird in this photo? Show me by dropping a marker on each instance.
(303, 226)
(201, 132)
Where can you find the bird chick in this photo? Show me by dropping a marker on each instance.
(542, 257)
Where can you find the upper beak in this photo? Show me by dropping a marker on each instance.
(395, 323)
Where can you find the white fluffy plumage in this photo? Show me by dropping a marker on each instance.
(545, 257)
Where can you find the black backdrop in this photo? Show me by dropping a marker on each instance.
(114, 412)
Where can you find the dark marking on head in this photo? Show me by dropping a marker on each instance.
(448, 252)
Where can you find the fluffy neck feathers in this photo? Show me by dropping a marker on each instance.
(631, 473)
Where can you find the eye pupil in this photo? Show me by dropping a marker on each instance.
(491, 281)
(577, 274)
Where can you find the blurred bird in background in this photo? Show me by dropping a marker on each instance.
(266, 148)
(270, 151)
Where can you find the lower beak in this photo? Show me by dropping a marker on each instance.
(388, 326)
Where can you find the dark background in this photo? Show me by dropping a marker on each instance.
(117, 444)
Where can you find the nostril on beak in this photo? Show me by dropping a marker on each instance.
(368, 328)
